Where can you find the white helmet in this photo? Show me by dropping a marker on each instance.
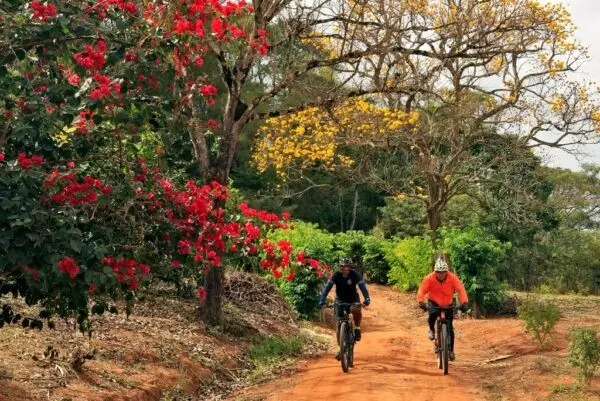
(440, 266)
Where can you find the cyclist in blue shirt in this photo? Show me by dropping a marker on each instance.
(345, 280)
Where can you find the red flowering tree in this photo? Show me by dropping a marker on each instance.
(69, 238)
(84, 79)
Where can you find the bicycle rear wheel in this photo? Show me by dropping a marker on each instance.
(344, 346)
(444, 349)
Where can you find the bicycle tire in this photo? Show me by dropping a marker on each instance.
(351, 355)
(438, 349)
(445, 348)
(344, 346)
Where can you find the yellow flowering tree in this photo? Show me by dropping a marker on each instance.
(318, 137)
(467, 68)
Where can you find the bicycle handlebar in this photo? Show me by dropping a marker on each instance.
(355, 304)
(453, 308)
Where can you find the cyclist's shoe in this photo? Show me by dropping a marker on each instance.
(430, 334)
(357, 334)
(451, 355)
(338, 356)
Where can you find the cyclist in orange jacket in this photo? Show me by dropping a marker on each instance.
(439, 287)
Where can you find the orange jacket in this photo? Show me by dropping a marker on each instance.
(442, 293)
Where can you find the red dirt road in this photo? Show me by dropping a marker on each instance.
(394, 361)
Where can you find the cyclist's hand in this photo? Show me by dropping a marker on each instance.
(464, 308)
(321, 304)
(423, 306)
(367, 302)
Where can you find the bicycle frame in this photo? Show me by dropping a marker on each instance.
(345, 337)
(442, 349)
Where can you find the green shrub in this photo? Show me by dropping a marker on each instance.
(315, 243)
(584, 352)
(302, 293)
(369, 253)
(410, 261)
(375, 262)
(350, 244)
(539, 317)
(476, 256)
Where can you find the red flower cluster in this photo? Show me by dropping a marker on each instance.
(192, 19)
(85, 121)
(209, 91)
(261, 43)
(185, 54)
(218, 27)
(128, 271)
(126, 6)
(264, 216)
(142, 174)
(92, 58)
(35, 274)
(68, 266)
(40, 89)
(101, 7)
(228, 8)
(105, 87)
(278, 259)
(1, 157)
(212, 124)
(42, 11)
(26, 162)
(72, 77)
(75, 193)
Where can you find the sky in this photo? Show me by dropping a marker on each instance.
(586, 15)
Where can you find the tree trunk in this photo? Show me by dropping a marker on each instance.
(341, 212)
(433, 222)
(213, 285)
(219, 171)
(477, 313)
(354, 209)
(438, 197)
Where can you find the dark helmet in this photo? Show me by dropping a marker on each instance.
(346, 262)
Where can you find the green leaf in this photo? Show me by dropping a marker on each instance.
(76, 245)
(64, 24)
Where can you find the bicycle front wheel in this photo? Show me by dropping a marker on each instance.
(445, 348)
(438, 348)
(344, 346)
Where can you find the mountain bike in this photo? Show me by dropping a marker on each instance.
(345, 328)
(442, 334)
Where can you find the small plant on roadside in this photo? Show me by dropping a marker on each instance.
(269, 355)
(268, 348)
(539, 317)
(584, 352)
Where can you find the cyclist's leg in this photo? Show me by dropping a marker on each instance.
(338, 312)
(433, 315)
(357, 316)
